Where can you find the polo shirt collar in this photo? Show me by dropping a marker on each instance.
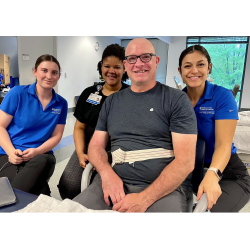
(32, 90)
(208, 94)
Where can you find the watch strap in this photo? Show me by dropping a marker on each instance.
(217, 172)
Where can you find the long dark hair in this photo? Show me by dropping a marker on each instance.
(190, 50)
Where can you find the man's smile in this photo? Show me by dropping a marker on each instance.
(141, 71)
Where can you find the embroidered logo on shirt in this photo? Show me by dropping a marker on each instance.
(231, 110)
(56, 111)
(151, 109)
(206, 110)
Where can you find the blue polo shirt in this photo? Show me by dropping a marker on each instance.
(217, 103)
(31, 126)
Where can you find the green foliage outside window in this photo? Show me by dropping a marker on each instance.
(228, 61)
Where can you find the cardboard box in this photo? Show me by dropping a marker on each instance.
(4, 61)
(6, 76)
(5, 68)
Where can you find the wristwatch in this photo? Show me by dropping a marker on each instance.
(217, 172)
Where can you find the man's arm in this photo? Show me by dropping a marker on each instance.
(170, 178)
(112, 184)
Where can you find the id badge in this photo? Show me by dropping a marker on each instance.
(94, 99)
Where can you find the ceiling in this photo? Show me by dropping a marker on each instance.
(166, 39)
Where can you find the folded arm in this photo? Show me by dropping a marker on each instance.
(112, 184)
(170, 178)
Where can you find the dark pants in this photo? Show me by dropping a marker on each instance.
(69, 185)
(31, 176)
(235, 187)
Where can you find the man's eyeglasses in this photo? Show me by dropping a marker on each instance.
(144, 58)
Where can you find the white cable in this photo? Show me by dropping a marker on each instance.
(4, 165)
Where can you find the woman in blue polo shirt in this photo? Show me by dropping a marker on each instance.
(227, 182)
(32, 120)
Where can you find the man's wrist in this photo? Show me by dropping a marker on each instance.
(106, 169)
(147, 198)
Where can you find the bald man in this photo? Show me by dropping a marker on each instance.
(153, 138)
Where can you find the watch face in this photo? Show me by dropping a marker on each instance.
(219, 173)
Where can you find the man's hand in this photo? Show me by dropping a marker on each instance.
(83, 158)
(29, 153)
(14, 158)
(210, 185)
(131, 203)
(112, 187)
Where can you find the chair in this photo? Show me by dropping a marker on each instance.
(235, 90)
(178, 83)
(197, 176)
(76, 99)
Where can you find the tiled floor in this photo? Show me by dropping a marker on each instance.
(65, 148)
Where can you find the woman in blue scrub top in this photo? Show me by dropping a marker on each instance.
(32, 120)
(227, 182)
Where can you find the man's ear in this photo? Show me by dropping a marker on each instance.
(125, 63)
(157, 61)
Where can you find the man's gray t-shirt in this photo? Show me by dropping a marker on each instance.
(137, 121)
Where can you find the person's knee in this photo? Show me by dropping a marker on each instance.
(180, 200)
(45, 163)
(69, 184)
(92, 197)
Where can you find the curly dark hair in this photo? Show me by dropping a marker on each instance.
(193, 48)
(113, 50)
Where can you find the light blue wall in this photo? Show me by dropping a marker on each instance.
(8, 46)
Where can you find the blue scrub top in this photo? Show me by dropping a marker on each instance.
(31, 126)
(217, 103)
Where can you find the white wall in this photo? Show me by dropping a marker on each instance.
(8, 46)
(162, 51)
(245, 101)
(34, 46)
(175, 48)
(78, 60)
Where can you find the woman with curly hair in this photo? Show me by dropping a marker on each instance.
(112, 70)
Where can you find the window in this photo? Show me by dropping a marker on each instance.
(228, 57)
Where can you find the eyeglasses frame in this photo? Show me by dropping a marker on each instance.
(151, 54)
